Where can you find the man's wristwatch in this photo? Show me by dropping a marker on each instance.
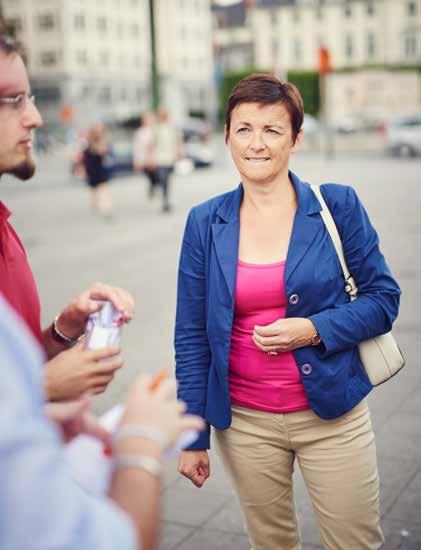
(315, 339)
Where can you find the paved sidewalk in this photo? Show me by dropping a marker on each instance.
(209, 518)
(69, 248)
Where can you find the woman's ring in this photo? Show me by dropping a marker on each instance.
(272, 353)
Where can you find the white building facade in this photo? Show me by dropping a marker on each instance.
(94, 56)
(356, 32)
(185, 56)
(372, 44)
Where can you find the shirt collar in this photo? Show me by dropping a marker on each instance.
(307, 201)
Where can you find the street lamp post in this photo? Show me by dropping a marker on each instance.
(154, 64)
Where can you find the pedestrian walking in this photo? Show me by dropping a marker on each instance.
(96, 159)
(144, 151)
(266, 338)
(167, 147)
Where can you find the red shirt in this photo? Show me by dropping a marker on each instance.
(17, 283)
(257, 380)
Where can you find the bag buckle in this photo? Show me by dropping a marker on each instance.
(350, 287)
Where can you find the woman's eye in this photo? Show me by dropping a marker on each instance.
(242, 130)
(272, 131)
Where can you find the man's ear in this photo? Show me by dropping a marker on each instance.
(298, 140)
(225, 134)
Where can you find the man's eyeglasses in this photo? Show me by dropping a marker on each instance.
(17, 102)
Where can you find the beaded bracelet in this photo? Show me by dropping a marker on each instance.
(137, 430)
(61, 338)
(147, 463)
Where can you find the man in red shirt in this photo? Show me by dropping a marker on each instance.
(71, 370)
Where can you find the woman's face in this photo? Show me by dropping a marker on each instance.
(260, 140)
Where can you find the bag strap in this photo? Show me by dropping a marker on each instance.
(350, 286)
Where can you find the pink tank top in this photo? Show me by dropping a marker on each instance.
(258, 380)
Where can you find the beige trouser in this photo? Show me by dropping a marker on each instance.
(338, 462)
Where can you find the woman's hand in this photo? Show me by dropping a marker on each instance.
(284, 335)
(195, 465)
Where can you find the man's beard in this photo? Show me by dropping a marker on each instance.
(24, 171)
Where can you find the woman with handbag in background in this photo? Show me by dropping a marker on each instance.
(96, 159)
(267, 339)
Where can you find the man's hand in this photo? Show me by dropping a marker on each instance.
(74, 418)
(284, 335)
(77, 371)
(72, 320)
(195, 465)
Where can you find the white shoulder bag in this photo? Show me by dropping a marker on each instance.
(380, 356)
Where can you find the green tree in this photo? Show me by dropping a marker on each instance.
(308, 84)
(229, 81)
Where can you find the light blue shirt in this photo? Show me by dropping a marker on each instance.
(41, 507)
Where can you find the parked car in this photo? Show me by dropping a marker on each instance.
(402, 135)
(200, 153)
(195, 129)
(311, 125)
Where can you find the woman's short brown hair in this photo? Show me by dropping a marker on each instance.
(266, 89)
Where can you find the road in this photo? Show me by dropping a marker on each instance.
(69, 247)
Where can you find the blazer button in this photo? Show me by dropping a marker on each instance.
(306, 369)
(293, 299)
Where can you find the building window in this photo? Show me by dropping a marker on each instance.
(273, 18)
(412, 8)
(15, 23)
(296, 16)
(137, 61)
(82, 57)
(79, 21)
(410, 44)
(370, 7)
(48, 58)
(297, 51)
(275, 46)
(319, 8)
(46, 21)
(371, 45)
(347, 9)
(349, 47)
(104, 95)
(104, 58)
(101, 24)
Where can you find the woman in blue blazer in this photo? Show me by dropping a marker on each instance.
(308, 404)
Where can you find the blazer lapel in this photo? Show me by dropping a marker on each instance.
(226, 231)
(306, 225)
(226, 234)
(225, 240)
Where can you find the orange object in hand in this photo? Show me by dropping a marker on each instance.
(158, 379)
(154, 384)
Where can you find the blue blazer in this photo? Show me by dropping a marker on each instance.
(333, 377)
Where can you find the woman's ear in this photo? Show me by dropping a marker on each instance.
(298, 140)
(226, 134)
